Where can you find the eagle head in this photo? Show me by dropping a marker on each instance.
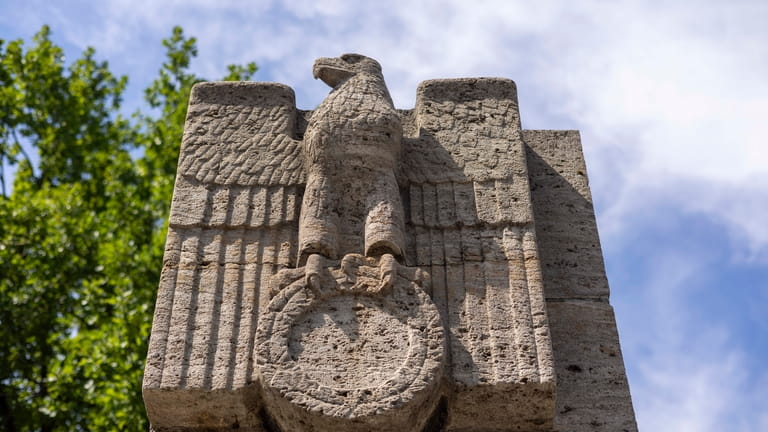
(336, 70)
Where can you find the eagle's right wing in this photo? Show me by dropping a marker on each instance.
(233, 224)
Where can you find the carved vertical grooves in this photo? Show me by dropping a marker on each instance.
(414, 244)
(437, 245)
(227, 361)
(445, 204)
(459, 358)
(227, 309)
(187, 312)
(186, 277)
(537, 305)
(294, 236)
(286, 252)
(475, 330)
(423, 247)
(439, 289)
(163, 310)
(214, 344)
(491, 305)
(498, 306)
(518, 282)
(410, 250)
(202, 308)
(247, 294)
(417, 205)
(451, 284)
(214, 329)
(260, 289)
(267, 268)
(221, 283)
(255, 293)
(429, 201)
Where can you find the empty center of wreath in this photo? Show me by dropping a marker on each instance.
(348, 342)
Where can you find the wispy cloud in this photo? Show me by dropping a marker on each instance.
(671, 96)
(689, 372)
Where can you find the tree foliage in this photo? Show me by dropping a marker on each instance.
(82, 231)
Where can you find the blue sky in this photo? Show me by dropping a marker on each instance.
(671, 99)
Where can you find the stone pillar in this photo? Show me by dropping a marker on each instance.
(592, 389)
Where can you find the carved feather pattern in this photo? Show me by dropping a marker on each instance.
(246, 140)
(233, 224)
(470, 226)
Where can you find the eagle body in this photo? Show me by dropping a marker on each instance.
(351, 148)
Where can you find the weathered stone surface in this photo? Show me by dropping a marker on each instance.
(473, 222)
(351, 147)
(362, 268)
(571, 258)
(592, 389)
(241, 133)
(351, 353)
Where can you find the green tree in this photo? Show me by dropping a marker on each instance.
(82, 232)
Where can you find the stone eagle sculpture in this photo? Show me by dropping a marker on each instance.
(356, 267)
(351, 150)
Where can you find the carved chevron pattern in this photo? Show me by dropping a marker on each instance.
(241, 143)
(214, 283)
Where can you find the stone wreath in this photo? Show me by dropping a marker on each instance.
(358, 345)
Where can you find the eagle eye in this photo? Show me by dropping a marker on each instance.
(351, 58)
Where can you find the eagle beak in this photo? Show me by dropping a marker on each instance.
(331, 71)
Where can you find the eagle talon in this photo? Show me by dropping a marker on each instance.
(387, 271)
(312, 271)
(313, 281)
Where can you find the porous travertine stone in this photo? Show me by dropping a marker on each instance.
(592, 392)
(230, 229)
(592, 389)
(362, 268)
(473, 223)
(571, 258)
(351, 148)
(351, 353)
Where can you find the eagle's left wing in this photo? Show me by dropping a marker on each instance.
(470, 226)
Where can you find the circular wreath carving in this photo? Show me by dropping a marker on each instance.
(348, 349)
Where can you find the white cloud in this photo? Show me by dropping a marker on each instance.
(675, 99)
(687, 394)
(687, 373)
